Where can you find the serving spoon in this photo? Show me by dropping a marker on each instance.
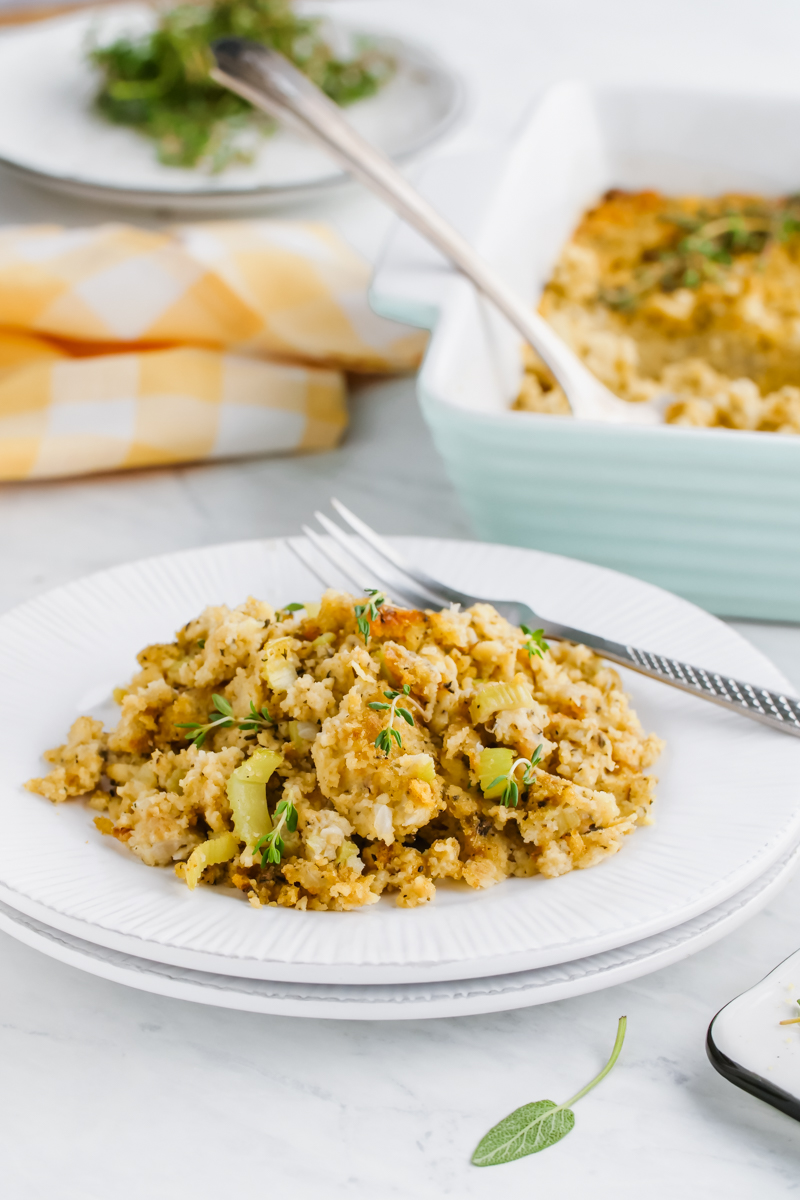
(272, 83)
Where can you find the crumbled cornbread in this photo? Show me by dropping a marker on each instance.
(368, 820)
(693, 298)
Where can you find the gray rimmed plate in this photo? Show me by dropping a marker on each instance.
(58, 141)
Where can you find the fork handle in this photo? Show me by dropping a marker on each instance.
(760, 704)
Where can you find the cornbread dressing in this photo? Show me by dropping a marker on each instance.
(653, 308)
(368, 822)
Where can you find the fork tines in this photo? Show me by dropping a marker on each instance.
(357, 558)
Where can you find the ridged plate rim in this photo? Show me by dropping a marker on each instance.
(405, 1002)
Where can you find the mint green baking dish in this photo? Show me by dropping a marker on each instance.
(713, 515)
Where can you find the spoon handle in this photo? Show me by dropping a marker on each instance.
(270, 82)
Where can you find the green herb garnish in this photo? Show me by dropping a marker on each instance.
(221, 718)
(159, 82)
(510, 796)
(272, 842)
(535, 643)
(536, 1126)
(290, 608)
(367, 613)
(383, 741)
(257, 720)
(703, 246)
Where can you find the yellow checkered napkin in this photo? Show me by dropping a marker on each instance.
(125, 348)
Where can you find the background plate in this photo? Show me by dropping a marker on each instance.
(56, 139)
(407, 1001)
(727, 807)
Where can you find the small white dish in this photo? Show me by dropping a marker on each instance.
(748, 1045)
(403, 1002)
(57, 140)
(62, 653)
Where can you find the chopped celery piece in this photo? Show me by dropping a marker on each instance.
(175, 779)
(324, 639)
(279, 674)
(220, 848)
(385, 673)
(424, 768)
(260, 766)
(494, 764)
(278, 671)
(301, 733)
(247, 796)
(346, 852)
(498, 697)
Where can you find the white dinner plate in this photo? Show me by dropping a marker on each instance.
(727, 806)
(56, 139)
(403, 1002)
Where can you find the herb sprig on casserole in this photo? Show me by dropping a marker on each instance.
(351, 748)
(696, 298)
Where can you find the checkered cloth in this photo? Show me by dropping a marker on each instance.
(124, 348)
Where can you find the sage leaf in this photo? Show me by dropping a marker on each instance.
(527, 1130)
(536, 1126)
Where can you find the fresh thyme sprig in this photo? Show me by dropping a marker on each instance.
(383, 741)
(510, 796)
(221, 718)
(257, 720)
(367, 613)
(535, 643)
(534, 1127)
(708, 245)
(272, 842)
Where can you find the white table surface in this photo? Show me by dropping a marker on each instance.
(114, 1094)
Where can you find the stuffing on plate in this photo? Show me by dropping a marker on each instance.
(318, 756)
(694, 298)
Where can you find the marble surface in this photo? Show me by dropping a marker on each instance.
(108, 1092)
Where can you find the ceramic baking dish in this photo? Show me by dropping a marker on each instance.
(711, 514)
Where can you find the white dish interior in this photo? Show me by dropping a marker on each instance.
(748, 1032)
(61, 654)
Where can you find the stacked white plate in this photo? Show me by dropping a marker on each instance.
(724, 841)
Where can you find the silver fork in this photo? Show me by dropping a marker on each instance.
(367, 561)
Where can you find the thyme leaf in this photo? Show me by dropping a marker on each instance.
(272, 842)
(510, 794)
(389, 734)
(535, 643)
(221, 718)
(258, 719)
(367, 613)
